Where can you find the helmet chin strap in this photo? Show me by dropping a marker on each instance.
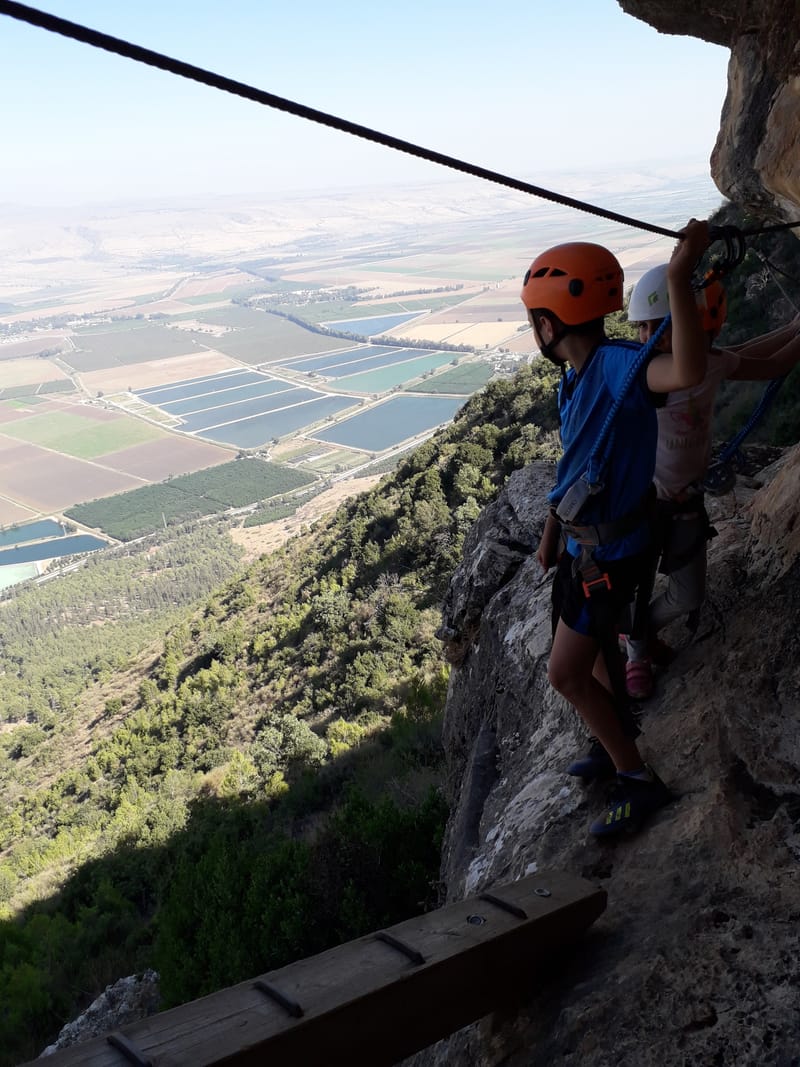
(548, 349)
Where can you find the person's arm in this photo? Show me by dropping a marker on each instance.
(548, 546)
(775, 365)
(765, 346)
(686, 365)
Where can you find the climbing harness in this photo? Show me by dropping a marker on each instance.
(590, 537)
(682, 526)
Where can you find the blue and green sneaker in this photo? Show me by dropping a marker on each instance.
(631, 802)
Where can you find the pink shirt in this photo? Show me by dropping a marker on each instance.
(684, 430)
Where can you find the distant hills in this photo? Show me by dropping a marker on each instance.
(97, 241)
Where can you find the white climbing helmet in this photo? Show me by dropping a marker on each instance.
(650, 297)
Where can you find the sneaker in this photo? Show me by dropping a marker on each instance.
(639, 678)
(595, 764)
(631, 802)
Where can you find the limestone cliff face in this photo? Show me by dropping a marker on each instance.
(695, 960)
(756, 161)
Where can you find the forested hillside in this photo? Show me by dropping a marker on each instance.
(264, 782)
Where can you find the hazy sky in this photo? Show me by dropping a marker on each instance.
(526, 87)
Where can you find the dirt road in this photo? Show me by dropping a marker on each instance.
(258, 540)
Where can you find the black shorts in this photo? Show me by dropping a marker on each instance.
(594, 616)
(682, 532)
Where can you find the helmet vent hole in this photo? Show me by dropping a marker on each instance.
(556, 273)
(540, 273)
(575, 287)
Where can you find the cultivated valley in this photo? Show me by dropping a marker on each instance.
(211, 764)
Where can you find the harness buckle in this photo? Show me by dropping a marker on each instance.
(602, 579)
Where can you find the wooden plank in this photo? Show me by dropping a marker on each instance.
(369, 1002)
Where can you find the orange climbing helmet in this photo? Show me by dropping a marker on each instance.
(712, 303)
(577, 281)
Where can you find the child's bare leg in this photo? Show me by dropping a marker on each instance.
(600, 673)
(572, 661)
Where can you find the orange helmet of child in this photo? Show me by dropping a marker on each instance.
(712, 303)
(577, 281)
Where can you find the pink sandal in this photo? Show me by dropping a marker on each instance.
(639, 679)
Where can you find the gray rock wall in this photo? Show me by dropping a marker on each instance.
(695, 961)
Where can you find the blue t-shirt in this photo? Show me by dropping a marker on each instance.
(584, 401)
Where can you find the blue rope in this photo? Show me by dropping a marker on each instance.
(599, 455)
(730, 449)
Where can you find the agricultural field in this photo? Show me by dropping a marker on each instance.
(151, 373)
(58, 452)
(315, 456)
(332, 462)
(29, 373)
(83, 434)
(267, 514)
(41, 342)
(395, 375)
(27, 394)
(490, 319)
(237, 484)
(210, 391)
(253, 431)
(202, 372)
(254, 337)
(357, 360)
(243, 408)
(251, 408)
(374, 325)
(42, 482)
(430, 332)
(95, 350)
(19, 407)
(463, 380)
(217, 284)
(337, 313)
(12, 511)
(391, 422)
(242, 334)
(155, 460)
(242, 482)
(480, 335)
